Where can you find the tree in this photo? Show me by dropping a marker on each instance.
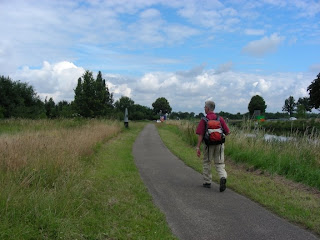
(64, 109)
(18, 99)
(301, 111)
(314, 92)
(257, 103)
(104, 99)
(161, 105)
(123, 103)
(289, 105)
(92, 97)
(305, 102)
(141, 112)
(50, 107)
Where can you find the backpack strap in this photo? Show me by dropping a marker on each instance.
(205, 119)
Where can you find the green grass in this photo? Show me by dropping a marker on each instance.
(102, 197)
(287, 199)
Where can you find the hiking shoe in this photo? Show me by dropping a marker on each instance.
(223, 182)
(207, 185)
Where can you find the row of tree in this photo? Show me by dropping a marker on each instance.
(303, 105)
(93, 99)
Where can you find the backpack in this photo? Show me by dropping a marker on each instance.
(214, 133)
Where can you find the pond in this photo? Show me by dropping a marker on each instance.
(270, 137)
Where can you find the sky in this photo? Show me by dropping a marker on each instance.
(186, 51)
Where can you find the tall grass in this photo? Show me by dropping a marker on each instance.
(59, 147)
(298, 160)
(186, 129)
(74, 180)
(41, 175)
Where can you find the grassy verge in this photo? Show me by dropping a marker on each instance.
(83, 188)
(298, 159)
(298, 205)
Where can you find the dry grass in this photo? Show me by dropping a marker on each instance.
(58, 147)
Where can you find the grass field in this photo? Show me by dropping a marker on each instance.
(298, 203)
(73, 180)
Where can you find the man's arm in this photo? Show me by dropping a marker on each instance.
(200, 138)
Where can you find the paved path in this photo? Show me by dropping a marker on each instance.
(194, 212)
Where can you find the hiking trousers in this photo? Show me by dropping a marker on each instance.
(213, 153)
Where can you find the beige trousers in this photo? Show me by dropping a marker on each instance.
(213, 153)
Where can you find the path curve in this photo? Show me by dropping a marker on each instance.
(194, 212)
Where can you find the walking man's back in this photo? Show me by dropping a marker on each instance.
(212, 131)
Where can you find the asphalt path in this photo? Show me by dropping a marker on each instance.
(195, 212)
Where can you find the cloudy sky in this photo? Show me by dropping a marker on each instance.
(186, 51)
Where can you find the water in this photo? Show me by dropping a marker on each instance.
(270, 137)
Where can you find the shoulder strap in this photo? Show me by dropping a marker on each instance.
(205, 119)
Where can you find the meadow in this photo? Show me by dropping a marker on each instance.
(284, 177)
(73, 179)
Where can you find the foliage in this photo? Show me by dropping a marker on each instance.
(161, 105)
(314, 92)
(182, 115)
(305, 102)
(123, 103)
(301, 111)
(135, 111)
(61, 110)
(142, 112)
(257, 103)
(289, 105)
(92, 97)
(18, 99)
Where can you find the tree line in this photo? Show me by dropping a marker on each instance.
(93, 99)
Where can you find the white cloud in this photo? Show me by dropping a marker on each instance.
(259, 48)
(264, 85)
(53, 80)
(119, 90)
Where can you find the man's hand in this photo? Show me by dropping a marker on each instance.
(198, 152)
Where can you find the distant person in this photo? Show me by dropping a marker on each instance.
(212, 152)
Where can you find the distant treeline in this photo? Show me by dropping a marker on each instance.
(238, 116)
(93, 100)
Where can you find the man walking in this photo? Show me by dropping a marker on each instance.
(212, 152)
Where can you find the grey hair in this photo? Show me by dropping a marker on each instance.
(211, 105)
